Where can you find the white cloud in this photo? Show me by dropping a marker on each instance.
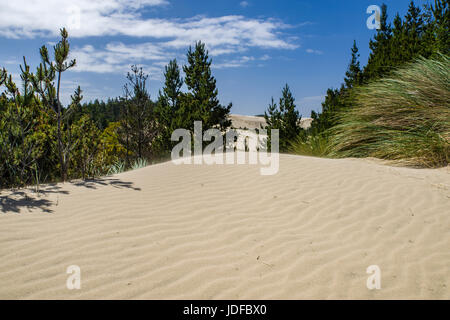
(118, 57)
(233, 63)
(29, 19)
(164, 38)
(241, 61)
(318, 52)
(244, 4)
(11, 61)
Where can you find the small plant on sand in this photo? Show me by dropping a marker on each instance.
(139, 163)
(313, 145)
(116, 168)
(404, 118)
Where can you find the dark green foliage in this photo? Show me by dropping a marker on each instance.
(44, 85)
(43, 141)
(404, 118)
(20, 140)
(176, 109)
(437, 17)
(138, 123)
(201, 102)
(3, 76)
(334, 101)
(85, 147)
(337, 100)
(422, 33)
(353, 76)
(102, 113)
(285, 118)
(168, 108)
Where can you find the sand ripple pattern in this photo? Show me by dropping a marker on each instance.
(226, 232)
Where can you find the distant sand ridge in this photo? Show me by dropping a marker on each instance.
(253, 122)
(226, 232)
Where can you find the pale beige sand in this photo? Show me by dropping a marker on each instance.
(226, 232)
(253, 122)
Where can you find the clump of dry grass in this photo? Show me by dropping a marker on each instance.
(313, 145)
(404, 118)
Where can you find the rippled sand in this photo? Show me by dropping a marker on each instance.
(226, 232)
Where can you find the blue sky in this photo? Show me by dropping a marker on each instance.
(256, 46)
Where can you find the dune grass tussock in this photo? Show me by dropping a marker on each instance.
(313, 145)
(139, 164)
(120, 166)
(116, 168)
(404, 118)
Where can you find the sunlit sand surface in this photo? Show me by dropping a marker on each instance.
(226, 232)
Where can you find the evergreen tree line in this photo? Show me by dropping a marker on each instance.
(42, 141)
(423, 32)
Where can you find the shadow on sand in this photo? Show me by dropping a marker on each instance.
(29, 199)
(96, 183)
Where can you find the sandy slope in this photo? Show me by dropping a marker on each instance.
(226, 232)
(254, 122)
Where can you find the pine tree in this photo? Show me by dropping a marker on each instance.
(170, 98)
(413, 30)
(173, 83)
(334, 101)
(285, 118)
(353, 75)
(201, 103)
(19, 131)
(3, 75)
(272, 116)
(379, 59)
(44, 84)
(87, 140)
(441, 25)
(138, 124)
(168, 106)
(418, 34)
(338, 99)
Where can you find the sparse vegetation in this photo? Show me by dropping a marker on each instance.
(43, 141)
(139, 163)
(396, 107)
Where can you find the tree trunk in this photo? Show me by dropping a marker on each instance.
(60, 146)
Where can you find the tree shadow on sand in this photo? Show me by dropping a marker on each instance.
(17, 200)
(29, 199)
(96, 183)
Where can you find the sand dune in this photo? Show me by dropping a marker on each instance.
(255, 122)
(226, 232)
